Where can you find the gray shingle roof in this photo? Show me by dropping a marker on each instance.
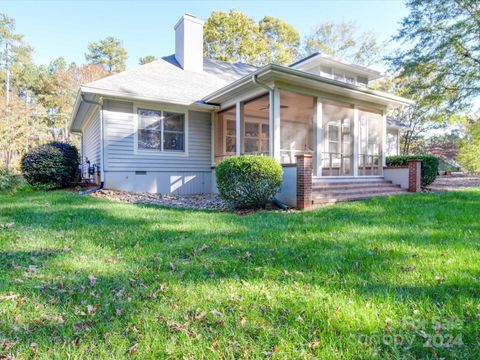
(165, 80)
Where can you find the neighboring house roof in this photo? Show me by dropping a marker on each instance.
(396, 123)
(164, 80)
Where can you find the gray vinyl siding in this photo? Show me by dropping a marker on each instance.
(91, 141)
(119, 139)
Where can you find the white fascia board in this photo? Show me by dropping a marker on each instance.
(76, 105)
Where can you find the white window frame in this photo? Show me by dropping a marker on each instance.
(162, 108)
(337, 124)
(342, 75)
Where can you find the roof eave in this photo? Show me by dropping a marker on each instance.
(393, 99)
(138, 97)
(370, 73)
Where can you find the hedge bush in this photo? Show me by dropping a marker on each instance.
(249, 181)
(8, 181)
(429, 165)
(53, 165)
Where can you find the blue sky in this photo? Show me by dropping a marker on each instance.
(64, 28)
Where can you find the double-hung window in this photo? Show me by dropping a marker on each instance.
(161, 130)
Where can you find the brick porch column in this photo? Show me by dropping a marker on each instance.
(414, 175)
(304, 181)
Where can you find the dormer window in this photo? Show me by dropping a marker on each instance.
(338, 76)
(362, 81)
(350, 79)
(336, 69)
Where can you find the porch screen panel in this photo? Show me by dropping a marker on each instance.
(256, 130)
(337, 155)
(370, 143)
(296, 125)
(224, 135)
(392, 142)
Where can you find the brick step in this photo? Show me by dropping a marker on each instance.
(349, 182)
(366, 190)
(322, 187)
(353, 197)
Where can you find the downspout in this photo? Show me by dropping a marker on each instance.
(259, 83)
(102, 157)
(255, 80)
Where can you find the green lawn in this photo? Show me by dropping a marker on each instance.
(395, 277)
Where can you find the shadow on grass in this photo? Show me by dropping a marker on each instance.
(357, 247)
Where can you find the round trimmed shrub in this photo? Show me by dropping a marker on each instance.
(248, 181)
(429, 165)
(53, 165)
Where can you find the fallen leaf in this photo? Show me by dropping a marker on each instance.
(200, 314)
(92, 309)
(132, 349)
(243, 321)
(216, 312)
(32, 269)
(7, 225)
(163, 286)
(314, 344)
(8, 297)
(199, 250)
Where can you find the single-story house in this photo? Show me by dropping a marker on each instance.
(163, 126)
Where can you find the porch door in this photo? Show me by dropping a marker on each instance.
(337, 155)
(370, 143)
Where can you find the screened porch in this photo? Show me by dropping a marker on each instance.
(344, 139)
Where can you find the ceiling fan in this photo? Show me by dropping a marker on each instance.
(268, 106)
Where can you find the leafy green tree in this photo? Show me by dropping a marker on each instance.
(423, 116)
(233, 37)
(236, 37)
(282, 39)
(343, 40)
(108, 53)
(20, 128)
(15, 57)
(469, 150)
(56, 90)
(147, 59)
(441, 46)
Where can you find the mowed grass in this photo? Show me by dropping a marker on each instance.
(395, 277)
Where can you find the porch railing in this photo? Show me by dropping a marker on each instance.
(287, 156)
(337, 164)
(369, 164)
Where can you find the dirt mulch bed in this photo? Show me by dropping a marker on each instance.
(455, 182)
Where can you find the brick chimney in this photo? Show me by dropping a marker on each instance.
(189, 43)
